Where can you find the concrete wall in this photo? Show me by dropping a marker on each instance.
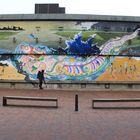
(66, 17)
(130, 79)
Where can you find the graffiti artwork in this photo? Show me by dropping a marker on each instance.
(76, 51)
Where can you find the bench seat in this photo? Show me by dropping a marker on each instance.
(101, 100)
(5, 98)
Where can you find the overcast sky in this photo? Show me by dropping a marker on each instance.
(100, 7)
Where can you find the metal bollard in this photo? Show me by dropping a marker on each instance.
(4, 101)
(76, 102)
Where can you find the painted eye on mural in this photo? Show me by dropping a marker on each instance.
(26, 49)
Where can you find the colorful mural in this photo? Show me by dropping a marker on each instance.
(72, 51)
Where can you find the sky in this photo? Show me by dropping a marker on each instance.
(94, 7)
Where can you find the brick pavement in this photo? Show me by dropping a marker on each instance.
(22, 123)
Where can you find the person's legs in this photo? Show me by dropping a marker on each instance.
(40, 84)
(45, 83)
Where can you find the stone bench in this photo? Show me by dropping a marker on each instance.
(5, 98)
(101, 100)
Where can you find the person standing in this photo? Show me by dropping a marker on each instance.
(125, 67)
(120, 69)
(40, 76)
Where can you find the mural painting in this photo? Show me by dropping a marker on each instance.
(77, 51)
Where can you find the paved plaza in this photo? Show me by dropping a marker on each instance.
(63, 123)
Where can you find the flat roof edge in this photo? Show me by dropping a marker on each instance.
(66, 17)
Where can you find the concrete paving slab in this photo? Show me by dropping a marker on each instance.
(23, 123)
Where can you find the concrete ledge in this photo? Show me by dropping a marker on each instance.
(66, 17)
(135, 86)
